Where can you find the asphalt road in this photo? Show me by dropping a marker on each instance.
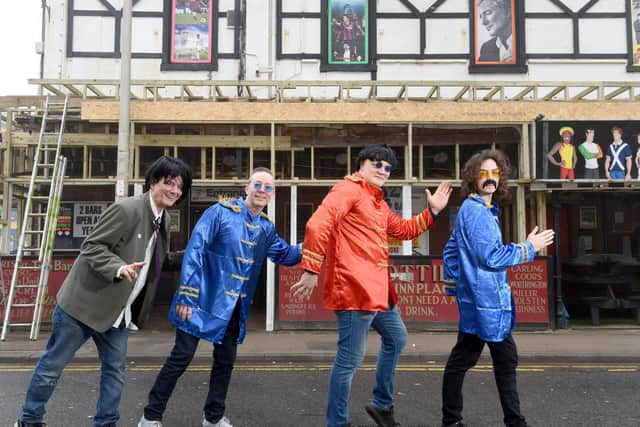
(295, 395)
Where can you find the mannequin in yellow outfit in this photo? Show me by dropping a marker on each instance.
(567, 153)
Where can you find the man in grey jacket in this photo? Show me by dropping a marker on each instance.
(123, 253)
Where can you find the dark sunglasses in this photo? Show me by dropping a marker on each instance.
(260, 186)
(379, 165)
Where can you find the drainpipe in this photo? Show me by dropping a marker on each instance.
(242, 34)
(122, 179)
(557, 271)
(271, 61)
(45, 8)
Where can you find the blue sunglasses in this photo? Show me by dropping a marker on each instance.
(379, 165)
(260, 186)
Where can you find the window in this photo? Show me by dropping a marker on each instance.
(74, 162)
(192, 156)
(232, 163)
(103, 162)
(330, 163)
(148, 155)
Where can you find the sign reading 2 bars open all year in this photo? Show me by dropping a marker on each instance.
(86, 216)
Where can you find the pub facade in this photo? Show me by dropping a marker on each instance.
(301, 86)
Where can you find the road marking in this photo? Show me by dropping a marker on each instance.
(134, 367)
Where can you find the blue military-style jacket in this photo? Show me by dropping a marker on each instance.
(475, 262)
(221, 265)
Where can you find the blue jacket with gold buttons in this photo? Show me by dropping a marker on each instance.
(475, 261)
(221, 265)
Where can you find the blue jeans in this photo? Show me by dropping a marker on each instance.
(67, 336)
(353, 331)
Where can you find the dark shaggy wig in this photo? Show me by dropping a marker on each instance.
(377, 152)
(169, 167)
(472, 170)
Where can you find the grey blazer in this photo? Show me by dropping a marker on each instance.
(91, 293)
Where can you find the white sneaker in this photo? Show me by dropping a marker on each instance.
(224, 422)
(146, 423)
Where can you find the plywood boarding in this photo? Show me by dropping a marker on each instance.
(373, 112)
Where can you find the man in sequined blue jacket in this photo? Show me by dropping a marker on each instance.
(221, 266)
(475, 261)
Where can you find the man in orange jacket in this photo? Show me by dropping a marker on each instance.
(349, 233)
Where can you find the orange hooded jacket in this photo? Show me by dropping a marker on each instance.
(349, 234)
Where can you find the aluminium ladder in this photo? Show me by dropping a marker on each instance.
(37, 233)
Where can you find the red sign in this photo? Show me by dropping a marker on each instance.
(58, 272)
(419, 284)
(530, 289)
(420, 289)
(291, 309)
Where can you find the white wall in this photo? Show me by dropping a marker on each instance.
(302, 36)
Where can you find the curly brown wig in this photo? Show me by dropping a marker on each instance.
(472, 170)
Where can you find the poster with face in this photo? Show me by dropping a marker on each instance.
(496, 46)
(495, 31)
(345, 34)
(348, 35)
(191, 29)
(634, 35)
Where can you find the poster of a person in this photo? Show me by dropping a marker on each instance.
(191, 30)
(635, 30)
(191, 43)
(347, 38)
(495, 26)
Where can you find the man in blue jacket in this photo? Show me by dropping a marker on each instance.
(220, 269)
(475, 263)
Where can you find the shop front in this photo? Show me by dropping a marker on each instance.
(307, 159)
(597, 220)
(432, 141)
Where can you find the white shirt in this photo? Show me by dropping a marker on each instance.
(592, 148)
(504, 49)
(142, 275)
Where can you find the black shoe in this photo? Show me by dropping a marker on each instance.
(382, 417)
(456, 424)
(26, 424)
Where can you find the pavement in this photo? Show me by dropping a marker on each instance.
(588, 345)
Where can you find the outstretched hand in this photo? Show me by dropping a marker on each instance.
(541, 239)
(438, 200)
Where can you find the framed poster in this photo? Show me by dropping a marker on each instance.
(347, 29)
(633, 31)
(190, 35)
(497, 43)
(175, 214)
(588, 218)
